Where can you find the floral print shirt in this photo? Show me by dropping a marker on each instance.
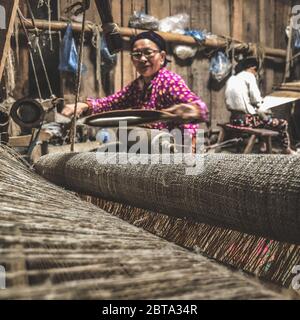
(165, 90)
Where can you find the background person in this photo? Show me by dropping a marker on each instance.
(243, 99)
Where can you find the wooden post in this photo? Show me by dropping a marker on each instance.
(220, 21)
(8, 11)
(250, 144)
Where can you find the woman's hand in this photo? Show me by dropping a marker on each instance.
(68, 110)
(185, 111)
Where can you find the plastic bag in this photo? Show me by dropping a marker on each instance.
(296, 39)
(185, 52)
(220, 66)
(141, 20)
(175, 24)
(198, 35)
(108, 60)
(68, 53)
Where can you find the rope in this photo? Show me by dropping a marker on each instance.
(96, 43)
(48, 4)
(49, 20)
(289, 53)
(21, 18)
(36, 32)
(78, 80)
(111, 28)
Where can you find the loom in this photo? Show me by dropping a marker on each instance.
(233, 211)
(27, 113)
(56, 246)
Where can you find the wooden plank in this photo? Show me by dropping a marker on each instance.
(237, 19)
(117, 73)
(177, 65)
(220, 20)
(79, 147)
(128, 7)
(201, 19)
(250, 21)
(158, 8)
(22, 70)
(266, 38)
(88, 86)
(8, 12)
(23, 141)
(282, 11)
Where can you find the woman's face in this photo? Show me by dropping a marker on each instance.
(147, 58)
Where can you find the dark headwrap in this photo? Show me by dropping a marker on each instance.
(154, 37)
(246, 64)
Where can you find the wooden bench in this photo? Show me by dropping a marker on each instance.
(265, 134)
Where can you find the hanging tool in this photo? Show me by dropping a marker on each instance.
(110, 29)
(37, 45)
(80, 7)
(30, 113)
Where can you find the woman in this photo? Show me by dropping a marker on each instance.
(156, 89)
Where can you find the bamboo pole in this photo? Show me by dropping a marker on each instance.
(214, 43)
(9, 9)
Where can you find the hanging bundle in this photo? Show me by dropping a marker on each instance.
(220, 66)
(68, 53)
(108, 60)
(141, 20)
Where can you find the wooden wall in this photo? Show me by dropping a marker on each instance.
(258, 21)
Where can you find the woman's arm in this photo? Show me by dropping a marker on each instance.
(119, 100)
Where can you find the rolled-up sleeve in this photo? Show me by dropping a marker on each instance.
(254, 92)
(179, 92)
(120, 100)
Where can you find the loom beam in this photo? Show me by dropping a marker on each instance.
(255, 194)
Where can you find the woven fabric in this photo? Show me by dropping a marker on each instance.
(255, 194)
(55, 246)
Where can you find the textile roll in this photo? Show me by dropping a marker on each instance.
(254, 194)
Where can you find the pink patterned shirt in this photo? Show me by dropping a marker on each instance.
(165, 90)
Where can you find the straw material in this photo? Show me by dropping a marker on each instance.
(268, 259)
(55, 246)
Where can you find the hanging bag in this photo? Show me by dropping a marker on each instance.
(68, 52)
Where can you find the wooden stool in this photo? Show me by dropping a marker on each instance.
(254, 133)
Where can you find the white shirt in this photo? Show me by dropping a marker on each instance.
(242, 93)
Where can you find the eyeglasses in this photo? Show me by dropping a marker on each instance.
(148, 54)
